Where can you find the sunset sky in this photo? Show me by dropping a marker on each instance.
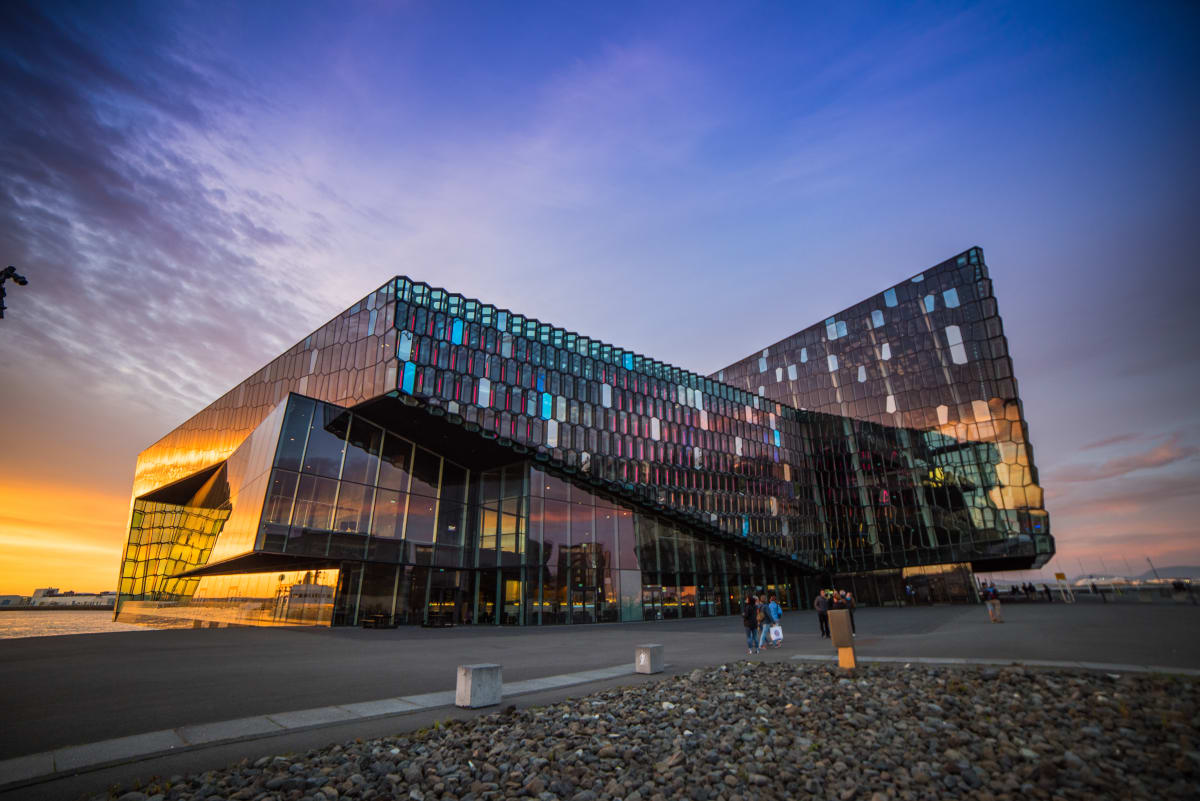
(192, 187)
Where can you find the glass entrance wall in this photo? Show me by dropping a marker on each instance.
(291, 598)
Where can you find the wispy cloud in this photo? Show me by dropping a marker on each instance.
(1166, 453)
(141, 251)
(1114, 440)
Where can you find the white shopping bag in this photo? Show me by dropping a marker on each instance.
(776, 633)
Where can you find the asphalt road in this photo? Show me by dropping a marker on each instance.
(70, 690)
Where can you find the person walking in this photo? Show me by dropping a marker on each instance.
(992, 599)
(821, 604)
(777, 621)
(750, 621)
(764, 621)
(850, 607)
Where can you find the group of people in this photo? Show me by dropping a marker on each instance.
(828, 600)
(1030, 592)
(763, 618)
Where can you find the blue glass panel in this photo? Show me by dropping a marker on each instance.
(776, 439)
(628, 361)
(547, 406)
(889, 297)
(410, 377)
(456, 332)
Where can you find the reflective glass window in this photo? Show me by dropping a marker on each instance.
(362, 455)
(294, 433)
(426, 468)
(353, 508)
(454, 482)
(950, 296)
(393, 466)
(958, 353)
(388, 521)
(280, 496)
(889, 297)
(422, 514)
(314, 502)
(326, 441)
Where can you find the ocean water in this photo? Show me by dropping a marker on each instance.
(51, 624)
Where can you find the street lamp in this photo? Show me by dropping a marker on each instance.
(5, 274)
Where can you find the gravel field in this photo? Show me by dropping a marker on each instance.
(771, 731)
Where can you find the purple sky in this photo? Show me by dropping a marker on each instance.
(191, 188)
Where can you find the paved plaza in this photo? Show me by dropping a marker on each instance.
(64, 691)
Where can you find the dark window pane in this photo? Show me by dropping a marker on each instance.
(425, 473)
(314, 502)
(294, 433)
(393, 467)
(421, 515)
(389, 514)
(450, 523)
(353, 508)
(606, 524)
(626, 541)
(326, 441)
(280, 496)
(362, 457)
(454, 482)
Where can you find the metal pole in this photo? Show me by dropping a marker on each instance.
(1153, 568)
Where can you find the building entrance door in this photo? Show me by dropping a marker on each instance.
(448, 604)
(652, 602)
(583, 604)
(345, 599)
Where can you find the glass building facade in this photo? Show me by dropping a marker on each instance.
(428, 458)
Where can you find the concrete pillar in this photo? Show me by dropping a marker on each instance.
(648, 658)
(478, 685)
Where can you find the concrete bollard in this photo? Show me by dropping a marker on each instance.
(478, 685)
(648, 658)
(843, 640)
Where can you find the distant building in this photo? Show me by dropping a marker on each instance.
(50, 596)
(427, 457)
(14, 600)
